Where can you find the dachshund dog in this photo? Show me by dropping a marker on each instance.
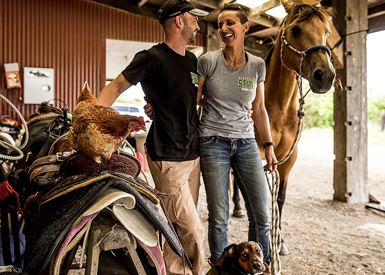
(244, 258)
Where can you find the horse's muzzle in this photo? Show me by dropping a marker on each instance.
(322, 80)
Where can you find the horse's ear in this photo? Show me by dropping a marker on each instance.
(287, 5)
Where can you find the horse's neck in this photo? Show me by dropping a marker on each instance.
(281, 84)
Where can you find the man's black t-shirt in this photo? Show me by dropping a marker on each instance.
(170, 83)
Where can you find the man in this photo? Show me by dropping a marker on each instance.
(167, 73)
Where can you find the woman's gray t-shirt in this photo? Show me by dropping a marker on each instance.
(228, 95)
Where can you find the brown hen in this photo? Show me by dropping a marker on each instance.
(98, 130)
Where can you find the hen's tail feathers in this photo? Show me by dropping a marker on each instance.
(86, 94)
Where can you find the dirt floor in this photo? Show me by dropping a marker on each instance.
(325, 236)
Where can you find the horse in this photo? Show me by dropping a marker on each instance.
(300, 52)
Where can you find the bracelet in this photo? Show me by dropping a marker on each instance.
(268, 144)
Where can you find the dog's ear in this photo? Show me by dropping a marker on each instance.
(230, 250)
(260, 246)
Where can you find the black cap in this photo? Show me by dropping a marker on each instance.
(174, 8)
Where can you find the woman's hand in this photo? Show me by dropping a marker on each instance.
(148, 109)
(271, 159)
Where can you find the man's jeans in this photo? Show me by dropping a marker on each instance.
(217, 155)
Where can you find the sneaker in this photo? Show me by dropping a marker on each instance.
(239, 213)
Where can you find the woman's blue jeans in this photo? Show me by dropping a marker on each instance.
(218, 154)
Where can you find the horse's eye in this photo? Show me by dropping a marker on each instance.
(327, 34)
(294, 30)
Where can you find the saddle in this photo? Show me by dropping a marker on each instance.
(72, 183)
(65, 164)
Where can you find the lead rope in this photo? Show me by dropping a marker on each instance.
(275, 234)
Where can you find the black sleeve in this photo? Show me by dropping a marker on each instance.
(139, 68)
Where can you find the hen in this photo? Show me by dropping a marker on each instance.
(98, 130)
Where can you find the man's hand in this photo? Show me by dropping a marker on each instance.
(148, 109)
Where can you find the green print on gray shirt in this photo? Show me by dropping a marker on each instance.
(246, 84)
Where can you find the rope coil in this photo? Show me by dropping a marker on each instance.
(275, 234)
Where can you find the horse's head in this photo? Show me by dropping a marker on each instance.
(303, 44)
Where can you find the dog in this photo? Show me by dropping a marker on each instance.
(244, 258)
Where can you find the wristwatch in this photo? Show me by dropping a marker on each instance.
(268, 144)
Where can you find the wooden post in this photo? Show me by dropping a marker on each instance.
(213, 40)
(350, 105)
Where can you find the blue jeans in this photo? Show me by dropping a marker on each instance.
(218, 154)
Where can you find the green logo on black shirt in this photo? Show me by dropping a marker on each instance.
(194, 79)
(246, 84)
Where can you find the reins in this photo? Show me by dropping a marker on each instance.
(275, 235)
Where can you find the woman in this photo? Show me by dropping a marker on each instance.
(232, 82)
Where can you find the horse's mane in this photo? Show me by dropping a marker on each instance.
(301, 13)
(269, 54)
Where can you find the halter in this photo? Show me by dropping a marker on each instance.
(300, 112)
(302, 53)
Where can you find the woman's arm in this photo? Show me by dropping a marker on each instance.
(201, 83)
(261, 121)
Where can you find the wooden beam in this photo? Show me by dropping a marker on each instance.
(213, 40)
(141, 3)
(268, 32)
(376, 24)
(146, 9)
(266, 6)
(350, 107)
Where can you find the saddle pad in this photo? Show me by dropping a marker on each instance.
(137, 223)
(156, 257)
(111, 196)
(69, 184)
(153, 212)
(72, 238)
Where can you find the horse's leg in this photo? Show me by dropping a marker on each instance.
(284, 170)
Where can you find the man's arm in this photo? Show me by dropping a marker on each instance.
(113, 90)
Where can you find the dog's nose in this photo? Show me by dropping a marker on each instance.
(257, 266)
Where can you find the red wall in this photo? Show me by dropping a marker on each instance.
(68, 36)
